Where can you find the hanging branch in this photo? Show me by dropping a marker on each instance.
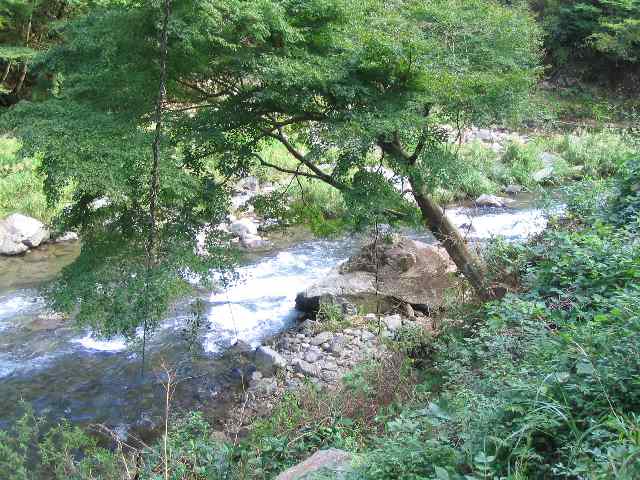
(154, 182)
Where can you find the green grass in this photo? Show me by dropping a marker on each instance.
(21, 185)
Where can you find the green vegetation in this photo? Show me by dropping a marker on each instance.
(540, 384)
(21, 184)
(592, 35)
(129, 121)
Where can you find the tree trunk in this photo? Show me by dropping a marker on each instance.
(154, 178)
(21, 77)
(23, 68)
(5, 74)
(448, 234)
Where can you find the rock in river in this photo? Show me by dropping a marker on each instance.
(491, 201)
(408, 272)
(19, 233)
(268, 360)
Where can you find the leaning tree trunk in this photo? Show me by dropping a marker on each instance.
(449, 236)
(23, 69)
(21, 77)
(5, 74)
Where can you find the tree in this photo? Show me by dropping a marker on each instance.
(365, 83)
(600, 33)
(95, 135)
(368, 80)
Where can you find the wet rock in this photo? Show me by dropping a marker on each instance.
(309, 326)
(19, 233)
(543, 174)
(254, 242)
(406, 270)
(240, 347)
(513, 189)
(333, 462)
(268, 360)
(491, 201)
(67, 237)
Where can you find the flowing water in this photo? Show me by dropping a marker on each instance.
(64, 372)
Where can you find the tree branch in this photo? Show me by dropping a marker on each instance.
(286, 170)
(204, 92)
(282, 138)
(422, 141)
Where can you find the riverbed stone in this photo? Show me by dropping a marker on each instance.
(491, 201)
(67, 237)
(240, 347)
(305, 368)
(513, 189)
(244, 227)
(321, 338)
(406, 270)
(393, 322)
(336, 464)
(19, 233)
(336, 345)
(312, 356)
(268, 360)
(254, 242)
(543, 174)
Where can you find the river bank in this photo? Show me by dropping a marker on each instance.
(98, 380)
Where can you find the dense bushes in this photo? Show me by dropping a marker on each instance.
(596, 34)
(545, 384)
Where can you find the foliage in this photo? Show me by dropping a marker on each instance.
(602, 154)
(95, 140)
(65, 452)
(21, 184)
(604, 32)
(546, 386)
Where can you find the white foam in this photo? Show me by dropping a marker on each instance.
(89, 342)
(263, 301)
(515, 225)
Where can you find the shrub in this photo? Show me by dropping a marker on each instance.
(21, 184)
(602, 154)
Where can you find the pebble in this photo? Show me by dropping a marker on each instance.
(367, 335)
(321, 338)
(312, 356)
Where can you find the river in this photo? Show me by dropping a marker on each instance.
(68, 373)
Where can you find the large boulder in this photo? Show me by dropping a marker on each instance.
(19, 233)
(244, 227)
(485, 200)
(331, 463)
(404, 271)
